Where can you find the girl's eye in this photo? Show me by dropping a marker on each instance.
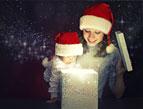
(97, 32)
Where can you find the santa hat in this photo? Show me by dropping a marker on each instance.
(68, 44)
(100, 17)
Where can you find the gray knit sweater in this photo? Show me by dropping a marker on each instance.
(105, 66)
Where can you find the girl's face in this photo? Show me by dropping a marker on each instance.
(68, 59)
(92, 36)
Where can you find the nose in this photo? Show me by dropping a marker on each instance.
(92, 36)
(69, 58)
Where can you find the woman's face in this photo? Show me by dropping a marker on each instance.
(92, 36)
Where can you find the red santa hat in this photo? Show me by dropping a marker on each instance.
(68, 44)
(98, 16)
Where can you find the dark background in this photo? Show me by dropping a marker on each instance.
(27, 29)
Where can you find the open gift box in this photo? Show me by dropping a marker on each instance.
(79, 89)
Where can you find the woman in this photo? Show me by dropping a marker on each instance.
(96, 24)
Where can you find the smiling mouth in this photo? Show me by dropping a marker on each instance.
(91, 41)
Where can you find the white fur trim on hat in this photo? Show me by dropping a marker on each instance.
(110, 48)
(90, 21)
(45, 62)
(68, 49)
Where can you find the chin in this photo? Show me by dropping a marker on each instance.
(91, 44)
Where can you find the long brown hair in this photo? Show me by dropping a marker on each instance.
(101, 49)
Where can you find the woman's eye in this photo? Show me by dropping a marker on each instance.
(87, 31)
(97, 32)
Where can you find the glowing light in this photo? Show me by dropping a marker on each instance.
(24, 44)
(122, 21)
(82, 74)
(12, 36)
(44, 46)
(88, 82)
(81, 92)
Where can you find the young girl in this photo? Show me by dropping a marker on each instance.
(66, 50)
(96, 24)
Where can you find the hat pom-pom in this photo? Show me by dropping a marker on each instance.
(45, 62)
(110, 48)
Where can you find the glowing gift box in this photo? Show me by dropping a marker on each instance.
(79, 89)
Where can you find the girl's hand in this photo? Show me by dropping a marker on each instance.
(53, 100)
(120, 68)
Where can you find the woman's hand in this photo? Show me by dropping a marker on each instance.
(120, 68)
(119, 87)
(53, 100)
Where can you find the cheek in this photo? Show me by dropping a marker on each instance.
(85, 35)
(100, 37)
(64, 59)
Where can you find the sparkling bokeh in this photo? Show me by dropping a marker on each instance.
(27, 28)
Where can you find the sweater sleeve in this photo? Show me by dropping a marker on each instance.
(47, 72)
(113, 74)
(54, 82)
